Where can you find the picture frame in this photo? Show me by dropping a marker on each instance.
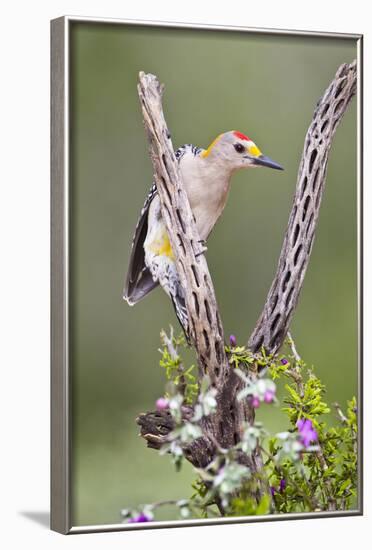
(62, 447)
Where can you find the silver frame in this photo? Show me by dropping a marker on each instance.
(60, 239)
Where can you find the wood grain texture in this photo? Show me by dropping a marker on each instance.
(206, 331)
(273, 323)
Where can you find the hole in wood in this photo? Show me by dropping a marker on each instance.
(236, 438)
(274, 303)
(324, 125)
(203, 364)
(164, 160)
(305, 208)
(297, 254)
(218, 350)
(278, 339)
(216, 371)
(259, 344)
(274, 323)
(206, 340)
(315, 180)
(340, 87)
(309, 223)
(166, 190)
(180, 220)
(295, 234)
(196, 303)
(208, 311)
(195, 273)
(286, 280)
(289, 296)
(181, 243)
(313, 156)
(219, 324)
(303, 186)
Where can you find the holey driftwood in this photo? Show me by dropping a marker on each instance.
(224, 427)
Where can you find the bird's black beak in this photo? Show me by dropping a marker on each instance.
(266, 161)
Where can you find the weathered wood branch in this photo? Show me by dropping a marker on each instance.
(155, 427)
(204, 319)
(203, 315)
(273, 323)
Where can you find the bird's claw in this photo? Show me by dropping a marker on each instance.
(203, 248)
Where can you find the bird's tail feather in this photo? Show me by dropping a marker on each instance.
(181, 312)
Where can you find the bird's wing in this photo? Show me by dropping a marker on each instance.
(139, 281)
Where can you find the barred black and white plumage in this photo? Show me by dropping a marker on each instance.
(143, 276)
(206, 175)
(188, 147)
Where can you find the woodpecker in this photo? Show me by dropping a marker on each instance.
(206, 175)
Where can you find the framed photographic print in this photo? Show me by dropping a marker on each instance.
(206, 275)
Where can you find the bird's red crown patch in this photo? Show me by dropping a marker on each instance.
(239, 135)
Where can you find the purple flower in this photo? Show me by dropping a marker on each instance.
(269, 396)
(273, 490)
(255, 402)
(307, 433)
(284, 361)
(282, 485)
(161, 404)
(141, 518)
(232, 340)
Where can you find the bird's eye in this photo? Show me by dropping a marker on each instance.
(239, 148)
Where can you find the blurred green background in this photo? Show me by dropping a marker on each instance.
(263, 85)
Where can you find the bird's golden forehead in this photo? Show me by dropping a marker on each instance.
(253, 150)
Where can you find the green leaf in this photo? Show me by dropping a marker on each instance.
(263, 506)
(293, 393)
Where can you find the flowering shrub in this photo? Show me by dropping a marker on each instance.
(310, 466)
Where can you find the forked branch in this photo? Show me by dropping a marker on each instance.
(204, 320)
